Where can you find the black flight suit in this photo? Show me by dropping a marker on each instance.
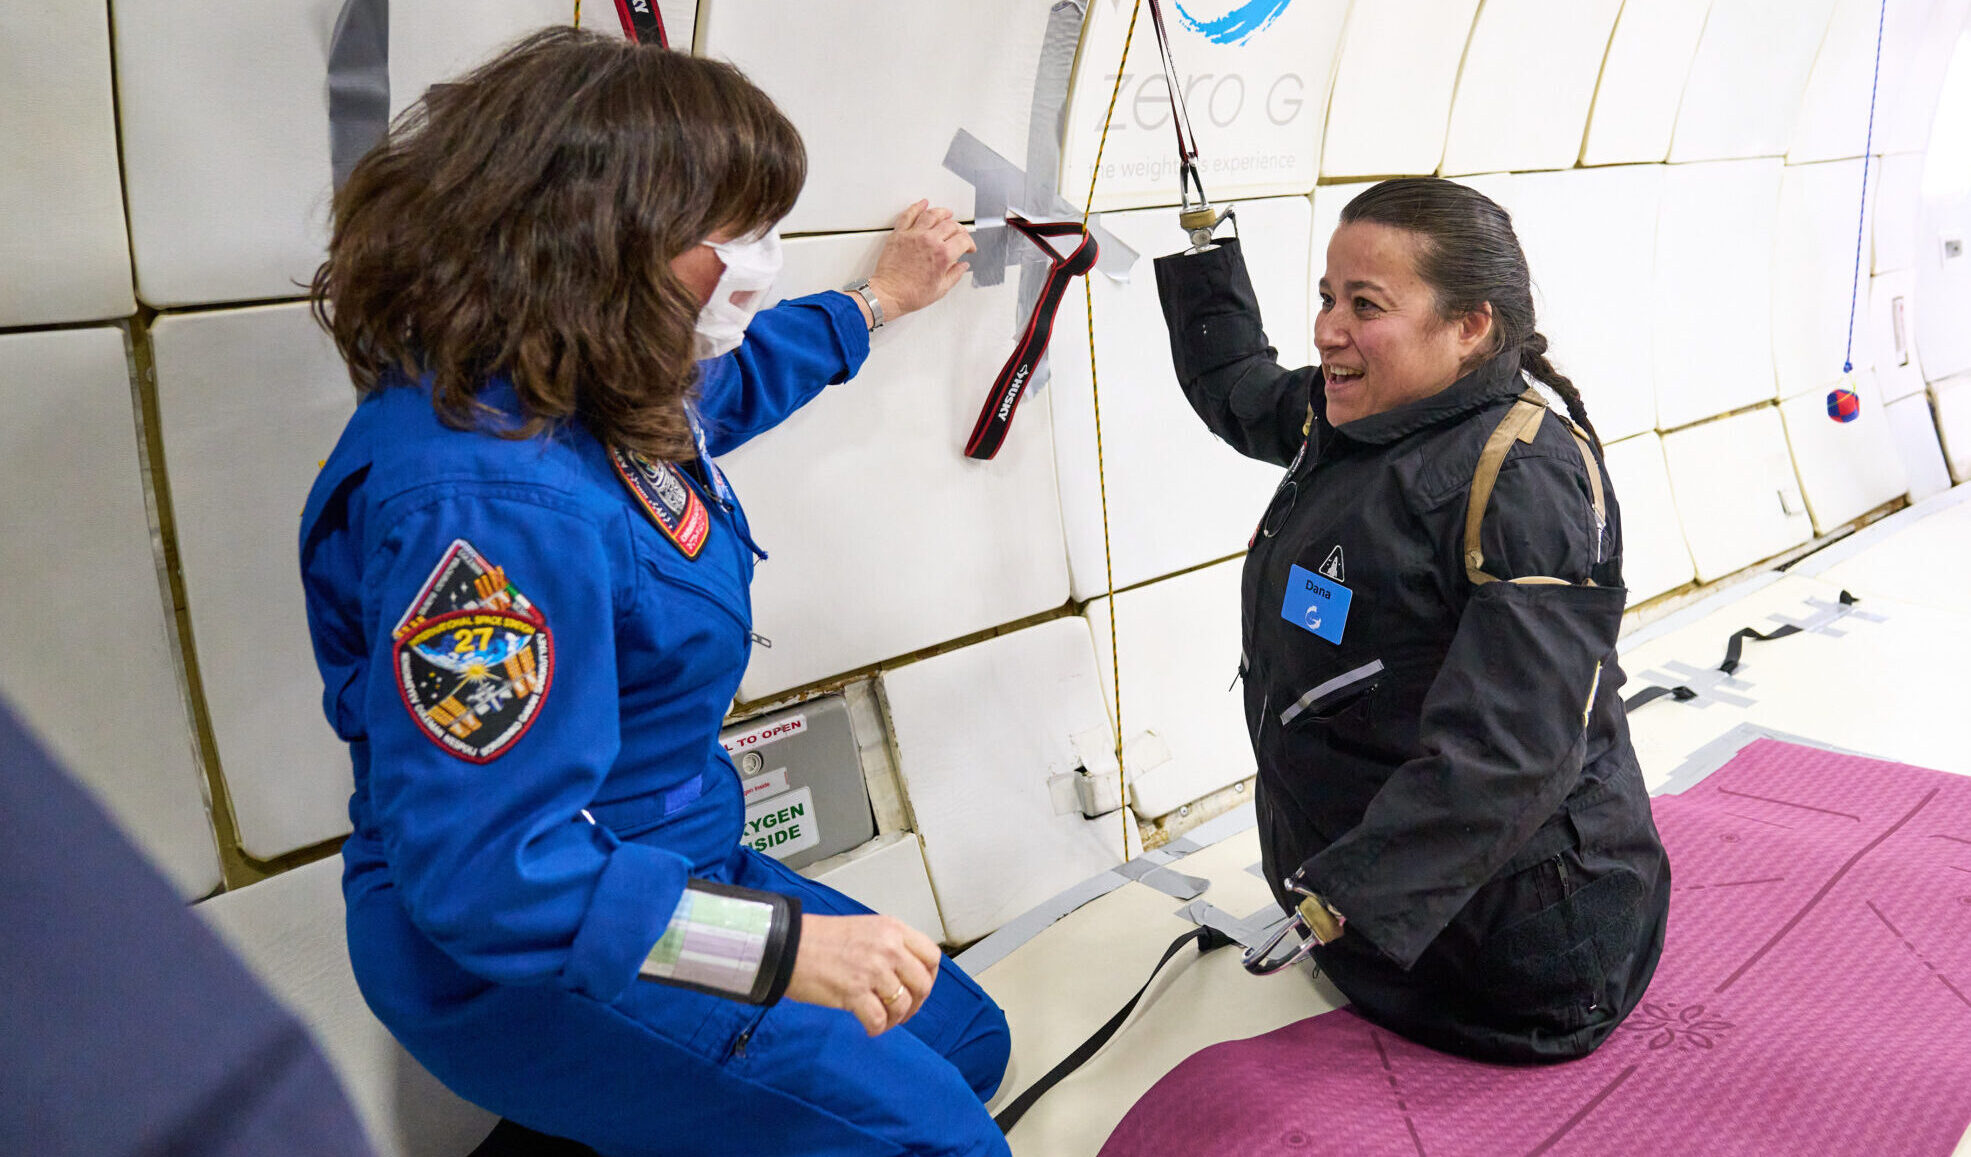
(1423, 761)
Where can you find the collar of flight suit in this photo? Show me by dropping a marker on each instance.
(1494, 379)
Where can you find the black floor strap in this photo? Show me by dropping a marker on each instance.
(1734, 653)
(1652, 693)
(1207, 938)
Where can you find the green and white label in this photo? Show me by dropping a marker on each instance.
(783, 825)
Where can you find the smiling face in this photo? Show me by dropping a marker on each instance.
(1381, 339)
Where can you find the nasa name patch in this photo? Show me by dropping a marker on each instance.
(672, 504)
(473, 657)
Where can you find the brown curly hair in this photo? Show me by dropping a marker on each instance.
(521, 223)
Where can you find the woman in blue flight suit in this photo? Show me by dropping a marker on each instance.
(527, 587)
(1447, 792)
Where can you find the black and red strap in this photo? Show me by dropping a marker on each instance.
(642, 22)
(1017, 374)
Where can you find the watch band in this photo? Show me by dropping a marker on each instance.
(861, 289)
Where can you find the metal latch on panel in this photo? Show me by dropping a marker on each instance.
(801, 776)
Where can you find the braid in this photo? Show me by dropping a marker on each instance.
(1533, 359)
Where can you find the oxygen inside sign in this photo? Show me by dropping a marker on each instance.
(783, 824)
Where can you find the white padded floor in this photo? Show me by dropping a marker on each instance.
(88, 638)
(1177, 495)
(1507, 117)
(1259, 103)
(1180, 650)
(884, 537)
(63, 243)
(1893, 688)
(251, 401)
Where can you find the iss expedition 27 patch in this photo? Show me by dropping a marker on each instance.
(664, 495)
(473, 657)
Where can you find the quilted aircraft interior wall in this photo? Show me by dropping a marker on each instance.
(1686, 177)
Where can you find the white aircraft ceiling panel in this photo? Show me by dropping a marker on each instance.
(1330, 200)
(1737, 496)
(1509, 117)
(90, 659)
(1898, 196)
(430, 42)
(1180, 649)
(224, 108)
(1892, 320)
(868, 155)
(1590, 240)
(1846, 468)
(1257, 96)
(1834, 110)
(1813, 280)
(1951, 400)
(1393, 87)
(1915, 431)
(63, 243)
(289, 931)
(1654, 556)
(1906, 108)
(1713, 313)
(1178, 496)
(885, 538)
(1743, 95)
(979, 733)
(250, 402)
(1642, 81)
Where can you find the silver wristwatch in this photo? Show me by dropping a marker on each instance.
(861, 289)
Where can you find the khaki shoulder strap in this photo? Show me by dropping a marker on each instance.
(1522, 424)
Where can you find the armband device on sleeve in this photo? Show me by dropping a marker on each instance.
(726, 941)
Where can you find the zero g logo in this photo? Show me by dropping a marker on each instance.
(1247, 19)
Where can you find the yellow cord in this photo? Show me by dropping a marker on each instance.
(1101, 470)
(578, 13)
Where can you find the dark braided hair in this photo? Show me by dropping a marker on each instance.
(1470, 256)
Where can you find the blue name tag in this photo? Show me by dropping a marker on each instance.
(1316, 603)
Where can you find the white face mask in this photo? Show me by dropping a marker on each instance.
(750, 269)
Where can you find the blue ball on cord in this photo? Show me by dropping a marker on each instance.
(1843, 405)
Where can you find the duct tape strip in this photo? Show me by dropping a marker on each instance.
(1247, 932)
(358, 83)
(998, 185)
(1174, 884)
(1722, 750)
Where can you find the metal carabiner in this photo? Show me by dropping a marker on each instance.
(1260, 962)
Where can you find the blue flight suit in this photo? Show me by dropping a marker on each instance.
(513, 860)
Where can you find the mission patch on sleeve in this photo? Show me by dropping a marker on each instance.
(473, 657)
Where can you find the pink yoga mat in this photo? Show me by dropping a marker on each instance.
(1814, 998)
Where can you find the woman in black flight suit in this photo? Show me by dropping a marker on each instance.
(1430, 676)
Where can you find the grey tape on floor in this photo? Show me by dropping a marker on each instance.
(1722, 750)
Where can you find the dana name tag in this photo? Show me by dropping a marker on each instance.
(1316, 604)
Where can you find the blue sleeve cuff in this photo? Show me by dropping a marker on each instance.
(633, 901)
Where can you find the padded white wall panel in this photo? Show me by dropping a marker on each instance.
(1944, 283)
(885, 538)
(1813, 280)
(1513, 114)
(1892, 322)
(979, 732)
(840, 70)
(1328, 202)
(1590, 241)
(1737, 496)
(1713, 314)
(431, 42)
(1642, 81)
(1898, 196)
(289, 930)
(888, 875)
(64, 251)
(1906, 109)
(1654, 556)
(1179, 642)
(1834, 110)
(1951, 399)
(1743, 95)
(225, 129)
(1178, 496)
(1393, 87)
(1846, 468)
(1915, 431)
(1257, 105)
(88, 638)
(250, 402)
